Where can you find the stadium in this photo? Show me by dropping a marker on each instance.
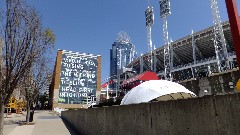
(194, 63)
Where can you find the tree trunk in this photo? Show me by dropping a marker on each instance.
(1, 117)
(28, 113)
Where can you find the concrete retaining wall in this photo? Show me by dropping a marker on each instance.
(209, 115)
(218, 83)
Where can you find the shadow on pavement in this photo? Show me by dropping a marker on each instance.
(70, 128)
(11, 122)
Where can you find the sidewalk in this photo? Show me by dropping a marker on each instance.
(44, 123)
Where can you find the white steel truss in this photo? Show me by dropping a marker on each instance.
(164, 12)
(149, 22)
(219, 40)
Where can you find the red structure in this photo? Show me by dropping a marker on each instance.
(106, 84)
(235, 26)
(136, 80)
(235, 29)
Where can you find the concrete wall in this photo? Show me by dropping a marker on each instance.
(208, 115)
(217, 83)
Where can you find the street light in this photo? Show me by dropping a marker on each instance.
(115, 80)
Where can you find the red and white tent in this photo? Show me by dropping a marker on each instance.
(138, 79)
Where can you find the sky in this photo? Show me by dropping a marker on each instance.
(91, 26)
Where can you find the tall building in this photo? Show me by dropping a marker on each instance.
(122, 53)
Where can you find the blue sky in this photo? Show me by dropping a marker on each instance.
(91, 26)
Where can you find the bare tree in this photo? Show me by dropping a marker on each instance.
(24, 42)
(35, 82)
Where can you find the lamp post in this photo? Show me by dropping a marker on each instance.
(116, 83)
(116, 87)
(87, 99)
(107, 92)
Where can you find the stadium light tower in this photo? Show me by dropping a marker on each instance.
(149, 22)
(164, 12)
(219, 40)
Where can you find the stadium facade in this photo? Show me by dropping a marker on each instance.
(194, 63)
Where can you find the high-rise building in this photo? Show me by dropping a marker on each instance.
(122, 53)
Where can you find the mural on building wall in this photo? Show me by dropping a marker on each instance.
(78, 79)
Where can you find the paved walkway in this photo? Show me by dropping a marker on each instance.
(44, 123)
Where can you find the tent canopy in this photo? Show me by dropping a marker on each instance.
(106, 84)
(134, 81)
(160, 90)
